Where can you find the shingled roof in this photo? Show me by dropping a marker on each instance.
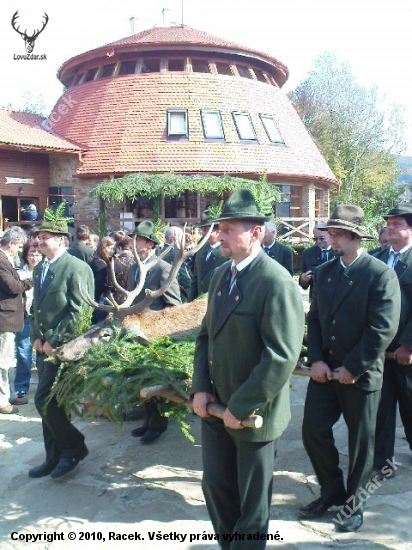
(24, 129)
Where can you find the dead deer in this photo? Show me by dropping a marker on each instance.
(29, 41)
(136, 319)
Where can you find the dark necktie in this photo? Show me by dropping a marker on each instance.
(395, 256)
(233, 277)
(324, 256)
(44, 270)
(266, 249)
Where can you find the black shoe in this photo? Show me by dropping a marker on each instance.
(138, 432)
(43, 470)
(66, 465)
(352, 523)
(151, 435)
(319, 507)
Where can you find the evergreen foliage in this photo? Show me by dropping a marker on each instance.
(111, 374)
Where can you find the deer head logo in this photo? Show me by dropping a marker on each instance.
(28, 40)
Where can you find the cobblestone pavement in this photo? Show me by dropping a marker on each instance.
(124, 489)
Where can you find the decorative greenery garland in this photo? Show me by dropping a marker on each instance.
(153, 186)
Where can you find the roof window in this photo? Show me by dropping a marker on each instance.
(272, 131)
(177, 124)
(212, 125)
(244, 126)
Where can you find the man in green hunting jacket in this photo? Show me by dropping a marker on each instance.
(57, 303)
(207, 259)
(353, 317)
(247, 347)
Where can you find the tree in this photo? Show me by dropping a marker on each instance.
(30, 104)
(358, 137)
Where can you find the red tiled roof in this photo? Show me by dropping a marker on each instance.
(174, 36)
(122, 121)
(24, 129)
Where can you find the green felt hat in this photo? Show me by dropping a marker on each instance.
(349, 217)
(146, 229)
(241, 205)
(57, 227)
(205, 219)
(402, 209)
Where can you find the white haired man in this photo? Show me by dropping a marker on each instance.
(276, 250)
(11, 307)
(173, 233)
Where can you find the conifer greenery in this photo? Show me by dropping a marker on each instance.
(111, 374)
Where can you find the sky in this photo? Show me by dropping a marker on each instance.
(373, 37)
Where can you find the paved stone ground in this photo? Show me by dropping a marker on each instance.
(125, 488)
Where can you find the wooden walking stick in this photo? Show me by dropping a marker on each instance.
(214, 409)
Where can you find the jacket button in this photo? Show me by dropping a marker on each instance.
(332, 338)
(330, 352)
(350, 283)
(40, 324)
(219, 293)
(329, 280)
(333, 322)
(39, 311)
(236, 298)
(210, 362)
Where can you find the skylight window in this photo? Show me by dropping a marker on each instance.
(271, 129)
(177, 124)
(212, 124)
(244, 126)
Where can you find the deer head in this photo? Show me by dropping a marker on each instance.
(74, 350)
(28, 40)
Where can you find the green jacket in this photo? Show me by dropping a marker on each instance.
(56, 305)
(204, 270)
(156, 276)
(403, 270)
(249, 343)
(353, 317)
(79, 249)
(183, 277)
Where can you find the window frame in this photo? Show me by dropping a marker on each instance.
(177, 135)
(236, 114)
(204, 112)
(264, 117)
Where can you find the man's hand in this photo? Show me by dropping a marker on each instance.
(38, 345)
(47, 349)
(306, 277)
(344, 376)
(231, 421)
(403, 355)
(200, 401)
(320, 372)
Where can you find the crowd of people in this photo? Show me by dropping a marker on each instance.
(359, 337)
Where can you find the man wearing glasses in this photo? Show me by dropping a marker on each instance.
(316, 255)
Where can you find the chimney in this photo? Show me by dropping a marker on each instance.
(132, 24)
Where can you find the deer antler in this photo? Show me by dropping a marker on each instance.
(126, 308)
(36, 33)
(13, 24)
